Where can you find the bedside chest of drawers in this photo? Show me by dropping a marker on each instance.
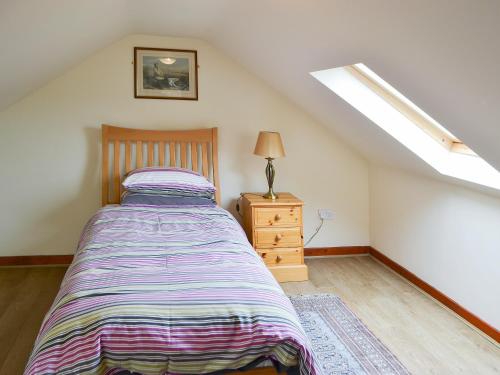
(274, 228)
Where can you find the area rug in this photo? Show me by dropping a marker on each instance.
(342, 344)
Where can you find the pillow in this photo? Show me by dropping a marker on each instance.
(147, 199)
(173, 181)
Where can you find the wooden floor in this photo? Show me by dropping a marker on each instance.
(25, 296)
(426, 337)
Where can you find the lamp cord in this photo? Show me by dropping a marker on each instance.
(315, 232)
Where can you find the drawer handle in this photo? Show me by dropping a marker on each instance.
(277, 217)
(278, 259)
(278, 237)
(263, 255)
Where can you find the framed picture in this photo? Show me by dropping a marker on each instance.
(165, 73)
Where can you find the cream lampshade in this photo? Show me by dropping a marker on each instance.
(270, 146)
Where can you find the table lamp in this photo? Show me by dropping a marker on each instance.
(270, 146)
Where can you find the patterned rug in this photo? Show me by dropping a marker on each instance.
(343, 345)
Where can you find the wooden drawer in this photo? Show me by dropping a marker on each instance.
(277, 216)
(281, 256)
(278, 237)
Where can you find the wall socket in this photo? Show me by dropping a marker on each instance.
(326, 214)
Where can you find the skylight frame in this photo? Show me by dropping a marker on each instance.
(393, 112)
(442, 135)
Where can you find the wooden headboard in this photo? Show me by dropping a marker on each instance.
(192, 149)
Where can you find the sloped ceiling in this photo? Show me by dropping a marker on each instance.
(442, 54)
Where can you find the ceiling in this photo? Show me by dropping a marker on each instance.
(444, 55)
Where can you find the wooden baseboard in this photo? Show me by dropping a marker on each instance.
(338, 250)
(39, 260)
(36, 260)
(441, 297)
(43, 260)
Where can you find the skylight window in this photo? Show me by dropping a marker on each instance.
(402, 119)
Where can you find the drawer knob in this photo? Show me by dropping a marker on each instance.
(277, 217)
(278, 259)
(263, 255)
(279, 236)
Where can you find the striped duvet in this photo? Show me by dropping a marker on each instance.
(172, 290)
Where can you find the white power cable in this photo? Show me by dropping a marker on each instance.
(315, 232)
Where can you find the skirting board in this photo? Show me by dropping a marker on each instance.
(38, 260)
(338, 250)
(45, 260)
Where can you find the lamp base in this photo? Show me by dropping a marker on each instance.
(270, 179)
(270, 195)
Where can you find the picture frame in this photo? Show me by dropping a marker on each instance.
(162, 73)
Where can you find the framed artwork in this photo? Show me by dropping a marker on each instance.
(161, 73)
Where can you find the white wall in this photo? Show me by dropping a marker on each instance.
(49, 147)
(447, 235)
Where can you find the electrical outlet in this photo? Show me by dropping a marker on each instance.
(326, 214)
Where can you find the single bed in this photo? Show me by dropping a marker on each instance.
(170, 289)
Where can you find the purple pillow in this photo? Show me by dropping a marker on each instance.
(144, 199)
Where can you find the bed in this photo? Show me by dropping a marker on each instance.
(167, 289)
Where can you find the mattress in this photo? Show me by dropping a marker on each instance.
(167, 290)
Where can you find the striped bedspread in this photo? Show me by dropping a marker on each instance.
(172, 290)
